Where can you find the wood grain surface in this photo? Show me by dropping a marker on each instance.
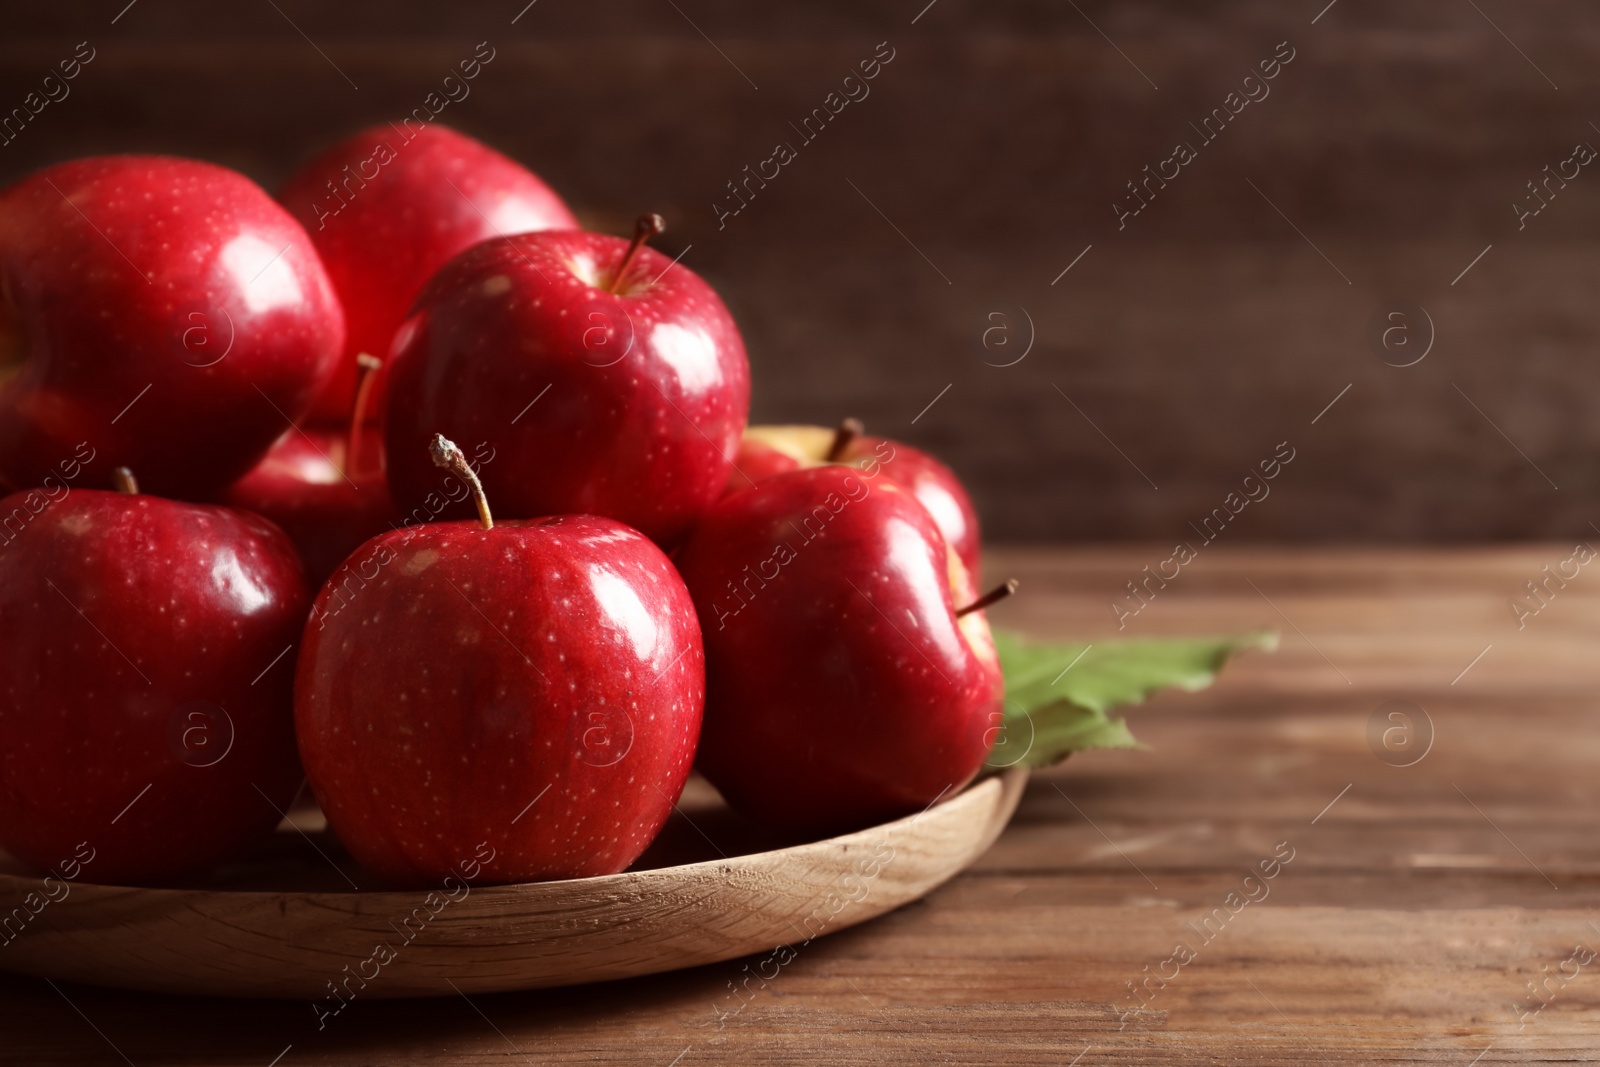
(933, 220)
(1419, 902)
(274, 928)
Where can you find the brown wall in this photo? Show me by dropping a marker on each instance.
(1196, 338)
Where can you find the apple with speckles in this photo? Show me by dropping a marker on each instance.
(610, 378)
(768, 450)
(147, 651)
(324, 486)
(536, 685)
(165, 313)
(391, 204)
(850, 677)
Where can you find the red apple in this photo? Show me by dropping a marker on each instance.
(533, 685)
(609, 380)
(768, 450)
(163, 311)
(324, 487)
(147, 647)
(850, 676)
(387, 207)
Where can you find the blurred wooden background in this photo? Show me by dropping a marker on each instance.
(1174, 354)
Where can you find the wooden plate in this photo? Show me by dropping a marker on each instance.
(285, 924)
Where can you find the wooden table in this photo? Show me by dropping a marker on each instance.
(1419, 902)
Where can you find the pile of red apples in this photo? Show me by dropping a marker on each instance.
(448, 508)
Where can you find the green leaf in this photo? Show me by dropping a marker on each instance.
(1108, 674)
(1058, 696)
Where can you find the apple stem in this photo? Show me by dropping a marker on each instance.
(998, 593)
(366, 376)
(123, 481)
(447, 454)
(647, 227)
(848, 431)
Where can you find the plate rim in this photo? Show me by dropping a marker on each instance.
(1001, 782)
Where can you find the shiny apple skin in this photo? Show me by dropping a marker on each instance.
(382, 237)
(452, 676)
(185, 608)
(933, 483)
(328, 511)
(757, 460)
(841, 689)
(234, 330)
(625, 405)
